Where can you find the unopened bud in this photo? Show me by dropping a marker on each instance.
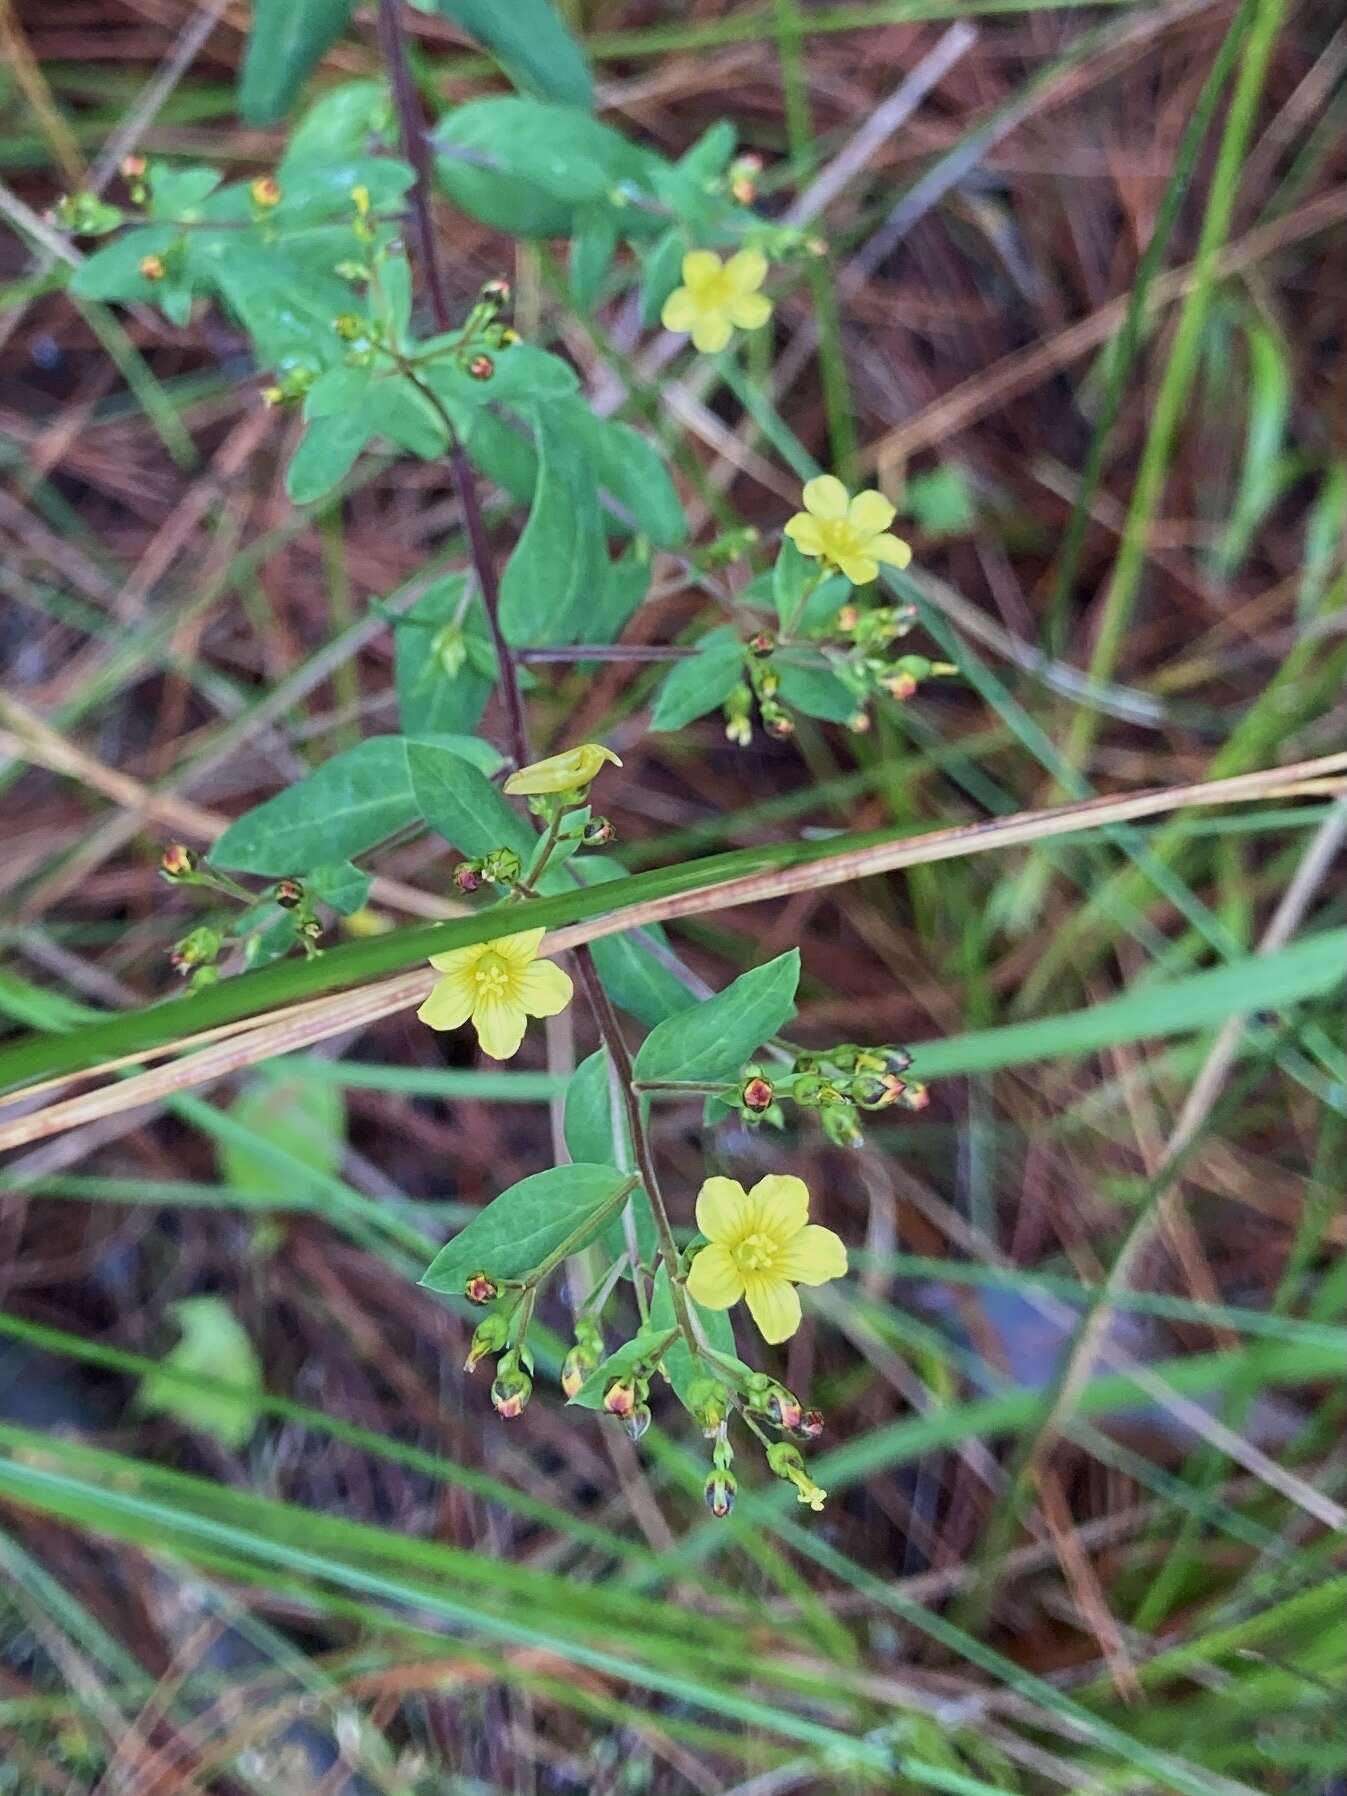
(810, 1425)
(859, 723)
(779, 724)
(480, 1288)
(511, 1390)
(152, 268)
(896, 1059)
(265, 191)
(620, 1398)
(762, 644)
(273, 396)
(311, 929)
(497, 291)
(576, 1368)
(719, 1491)
(196, 949)
(481, 367)
(132, 167)
(598, 833)
(757, 1093)
(289, 894)
(900, 686)
(489, 1336)
(348, 327)
(840, 1125)
(848, 617)
(502, 866)
(178, 862)
(876, 1091)
(915, 1096)
(467, 877)
(708, 1404)
(782, 1408)
(739, 731)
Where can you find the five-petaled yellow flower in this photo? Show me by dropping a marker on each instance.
(716, 297)
(849, 534)
(565, 772)
(761, 1245)
(499, 985)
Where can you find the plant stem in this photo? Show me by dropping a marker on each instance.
(412, 130)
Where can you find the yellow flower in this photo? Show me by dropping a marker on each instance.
(561, 773)
(849, 534)
(762, 1244)
(717, 296)
(498, 985)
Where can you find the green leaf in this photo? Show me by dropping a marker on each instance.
(287, 39)
(648, 1346)
(700, 684)
(590, 1135)
(328, 450)
(212, 1345)
(634, 977)
(342, 886)
(529, 40)
(625, 584)
(717, 1329)
(817, 691)
(179, 193)
(401, 412)
(560, 559)
(345, 807)
(526, 1225)
(597, 230)
(791, 573)
(340, 124)
(713, 1040)
(631, 469)
(520, 373)
(528, 167)
(113, 272)
(306, 1118)
(463, 806)
(661, 272)
(440, 685)
(941, 502)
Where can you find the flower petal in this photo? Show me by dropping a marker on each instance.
(891, 549)
(859, 569)
(826, 498)
(774, 1306)
(806, 533)
(500, 1027)
(450, 1002)
(813, 1257)
(679, 311)
(780, 1206)
(750, 311)
(869, 513)
(518, 951)
(456, 960)
(544, 990)
(745, 271)
(713, 1278)
(712, 332)
(700, 266)
(723, 1210)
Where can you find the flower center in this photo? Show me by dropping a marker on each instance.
(492, 976)
(840, 538)
(714, 293)
(755, 1253)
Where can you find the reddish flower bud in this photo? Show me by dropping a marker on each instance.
(497, 289)
(576, 1368)
(810, 1425)
(289, 894)
(757, 1093)
(152, 268)
(719, 1491)
(915, 1096)
(467, 877)
(762, 644)
(511, 1391)
(132, 167)
(177, 861)
(481, 367)
(620, 1397)
(779, 724)
(598, 833)
(480, 1289)
(265, 191)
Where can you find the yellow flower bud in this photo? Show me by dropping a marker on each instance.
(567, 772)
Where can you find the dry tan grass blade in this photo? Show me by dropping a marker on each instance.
(303, 1024)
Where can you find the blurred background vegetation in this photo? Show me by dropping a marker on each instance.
(1081, 316)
